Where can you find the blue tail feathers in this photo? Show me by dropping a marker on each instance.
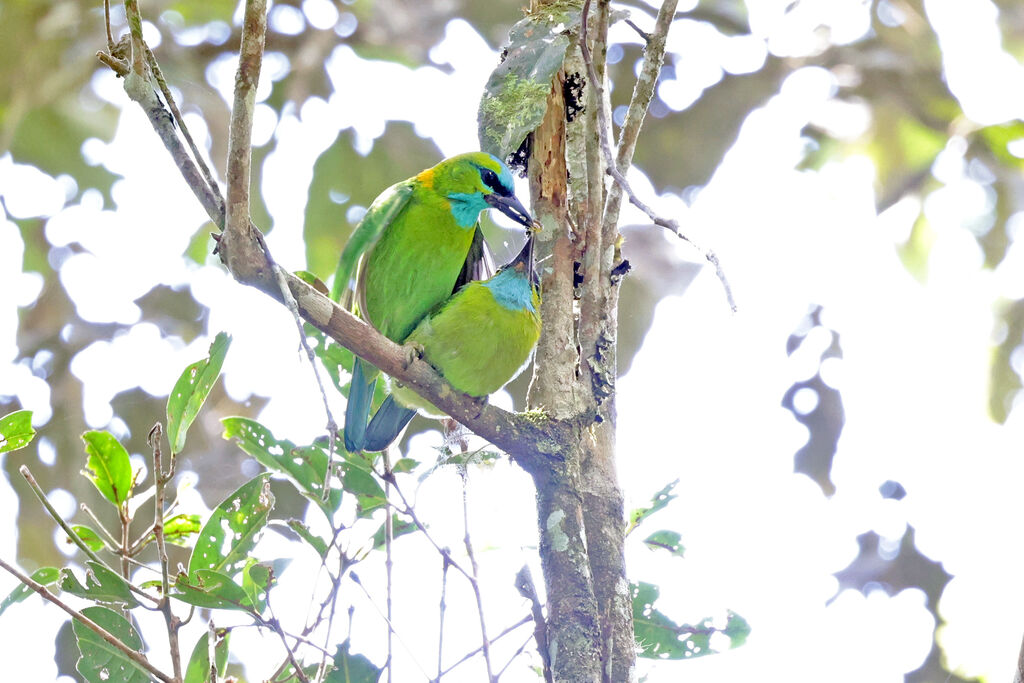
(357, 411)
(388, 422)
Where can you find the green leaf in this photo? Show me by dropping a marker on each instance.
(211, 589)
(405, 465)
(101, 585)
(515, 97)
(337, 358)
(658, 502)
(191, 390)
(399, 527)
(198, 670)
(16, 430)
(358, 479)
(101, 662)
(666, 540)
(257, 580)
(91, 539)
(318, 544)
(658, 637)
(233, 528)
(45, 575)
(108, 467)
(350, 668)
(304, 467)
(179, 528)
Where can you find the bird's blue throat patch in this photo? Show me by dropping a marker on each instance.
(511, 289)
(466, 207)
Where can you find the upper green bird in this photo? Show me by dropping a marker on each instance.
(479, 340)
(418, 242)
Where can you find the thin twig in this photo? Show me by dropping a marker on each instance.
(410, 512)
(250, 61)
(643, 92)
(128, 652)
(211, 650)
(160, 481)
(99, 525)
(391, 627)
(486, 646)
(514, 656)
(106, 22)
(469, 655)
(275, 626)
(443, 608)
(293, 308)
(158, 75)
(389, 532)
(34, 485)
(131, 10)
(526, 588)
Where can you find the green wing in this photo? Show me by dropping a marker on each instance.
(382, 212)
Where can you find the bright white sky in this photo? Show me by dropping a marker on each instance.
(913, 373)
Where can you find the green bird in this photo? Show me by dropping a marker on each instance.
(479, 340)
(418, 242)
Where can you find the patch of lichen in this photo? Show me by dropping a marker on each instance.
(515, 105)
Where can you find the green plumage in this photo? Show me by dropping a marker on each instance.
(483, 336)
(417, 243)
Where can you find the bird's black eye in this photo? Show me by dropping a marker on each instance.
(490, 179)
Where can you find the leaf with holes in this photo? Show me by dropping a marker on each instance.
(101, 662)
(101, 585)
(191, 390)
(198, 670)
(350, 668)
(658, 637)
(180, 528)
(318, 544)
(304, 467)
(257, 580)
(399, 527)
(108, 467)
(658, 502)
(44, 575)
(666, 540)
(212, 590)
(357, 478)
(16, 430)
(233, 528)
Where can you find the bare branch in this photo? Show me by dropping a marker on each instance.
(469, 655)
(524, 584)
(158, 75)
(160, 479)
(250, 61)
(486, 644)
(618, 164)
(131, 10)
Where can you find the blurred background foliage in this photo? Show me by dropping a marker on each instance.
(891, 74)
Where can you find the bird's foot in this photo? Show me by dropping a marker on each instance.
(413, 351)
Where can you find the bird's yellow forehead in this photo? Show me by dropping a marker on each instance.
(426, 178)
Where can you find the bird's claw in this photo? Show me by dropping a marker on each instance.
(413, 351)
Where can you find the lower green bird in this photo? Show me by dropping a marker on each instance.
(479, 340)
(418, 242)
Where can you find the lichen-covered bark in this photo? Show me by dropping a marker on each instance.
(573, 631)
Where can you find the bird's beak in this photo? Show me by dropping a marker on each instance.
(524, 261)
(511, 207)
